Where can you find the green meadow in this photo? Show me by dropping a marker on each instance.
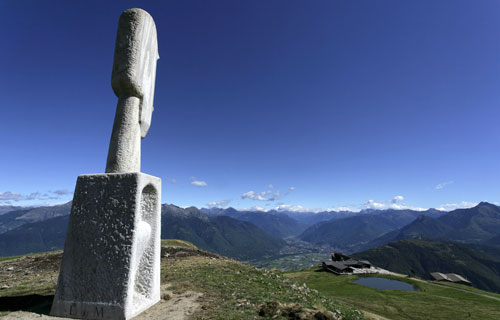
(434, 301)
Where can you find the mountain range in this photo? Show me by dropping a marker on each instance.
(352, 233)
(273, 222)
(304, 219)
(18, 217)
(220, 234)
(257, 236)
(5, 209)
(479, 225)
(345, 231)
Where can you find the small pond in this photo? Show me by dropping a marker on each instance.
(384, 284)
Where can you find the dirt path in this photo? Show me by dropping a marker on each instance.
(465, 290)
(171, 307)
(373, 316)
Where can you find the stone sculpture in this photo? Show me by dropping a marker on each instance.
(111, 262)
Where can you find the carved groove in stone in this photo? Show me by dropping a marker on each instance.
(143, 279)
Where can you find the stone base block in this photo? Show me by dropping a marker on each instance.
(111, 261)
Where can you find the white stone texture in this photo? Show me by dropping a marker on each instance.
(134, 73)
(111, 262)
(125, 147)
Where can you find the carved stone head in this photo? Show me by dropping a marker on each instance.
(134, 66)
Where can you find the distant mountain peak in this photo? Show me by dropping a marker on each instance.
(485, 204)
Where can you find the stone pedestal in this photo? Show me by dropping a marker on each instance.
(111, 262)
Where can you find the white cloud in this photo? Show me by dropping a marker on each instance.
(254, 208)
(11, 196)
(406, 207)
(289, 190)
(280, 207)
(453, 206)
(397, 199)
(199, 183)
(268, 195)
(372, 204)
(262, 196)
(290, 207)
(299, 208)
(218, 204)
(443, 184)
(343, 208)
(383, 205)
(8, 196)
(172, 180)
(377, 205)
(61, 192)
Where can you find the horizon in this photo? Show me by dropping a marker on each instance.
(279, 209)
(328, 105)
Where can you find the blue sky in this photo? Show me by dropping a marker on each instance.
(318, 104)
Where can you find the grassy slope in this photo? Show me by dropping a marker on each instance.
(28, 282)
(467, 288)
(177, 243)
(231, 290)
(433, 302)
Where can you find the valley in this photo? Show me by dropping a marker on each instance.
(405, 241)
